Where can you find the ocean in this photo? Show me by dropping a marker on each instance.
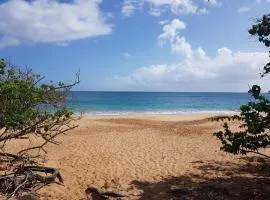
(123, 103)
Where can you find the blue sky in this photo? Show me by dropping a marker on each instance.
(141, 45)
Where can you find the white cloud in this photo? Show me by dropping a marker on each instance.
(226, 71)
(178, 43)
(50, 21)
(8, 41)
(126, 54)
(156, 12)
(162, 22)
(213, 2)
(62, 44)
(243, 9)
(202, 11)
(181, 46)
(176, 7)
(157, 7)
(128, 8)
(261, 1)
(170, 30)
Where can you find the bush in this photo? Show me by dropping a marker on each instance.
(31, 111)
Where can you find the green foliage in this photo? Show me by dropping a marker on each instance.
(262, 31)
(32, 112)
(253, 132)
(23, 101)
(27, 106)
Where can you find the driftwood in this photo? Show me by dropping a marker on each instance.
(28, 179)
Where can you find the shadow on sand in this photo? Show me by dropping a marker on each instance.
(214, 180)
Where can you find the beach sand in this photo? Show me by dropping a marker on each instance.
(142, 157)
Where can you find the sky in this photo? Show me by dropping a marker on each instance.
(137, 45)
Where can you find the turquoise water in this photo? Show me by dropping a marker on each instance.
(120, 103)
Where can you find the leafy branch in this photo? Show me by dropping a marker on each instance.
(254, 117)
(30, 111)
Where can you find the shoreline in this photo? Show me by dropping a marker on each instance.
(157, 113)
(188, 116)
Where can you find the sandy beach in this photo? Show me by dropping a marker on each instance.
(142, 157)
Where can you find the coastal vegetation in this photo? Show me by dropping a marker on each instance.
(253, 133)
(30, 110)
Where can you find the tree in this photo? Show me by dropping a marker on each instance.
(253, 133)
(29, 112)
